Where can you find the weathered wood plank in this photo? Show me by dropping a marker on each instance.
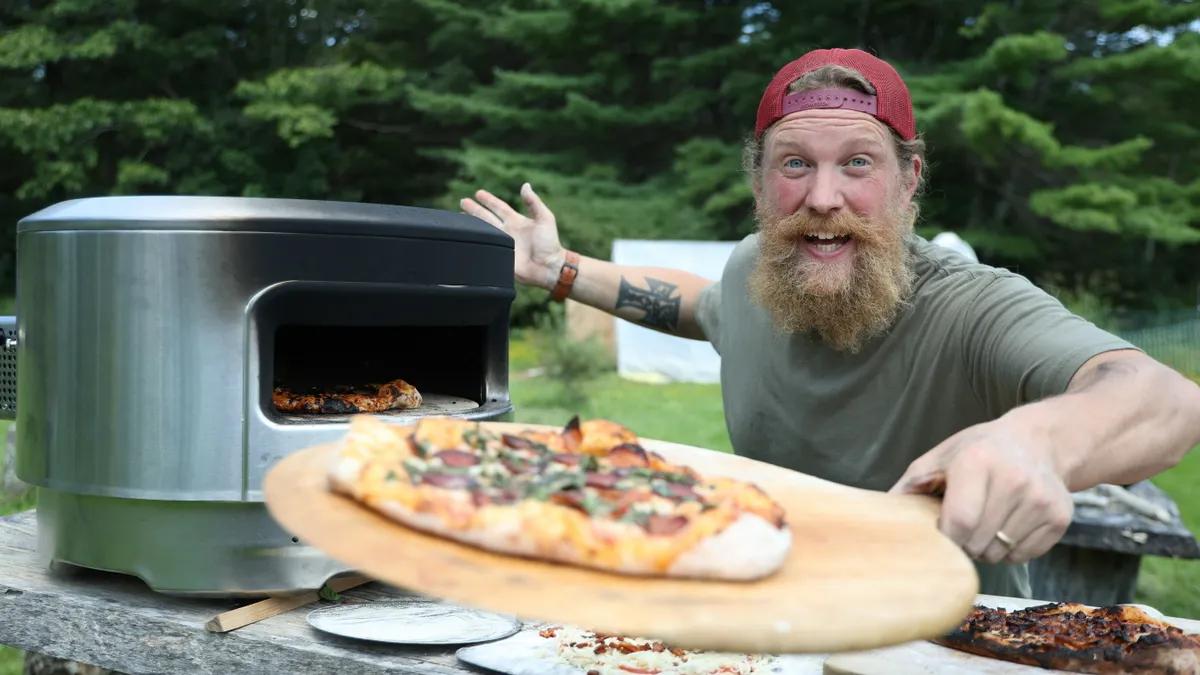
(115, 622)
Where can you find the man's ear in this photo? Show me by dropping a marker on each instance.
(915, 176)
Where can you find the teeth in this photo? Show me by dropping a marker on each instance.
(825, 235)
(828, 248)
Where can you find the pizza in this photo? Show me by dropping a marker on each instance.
(1078, 638)
(587, 495)
(348, 399)
(608, 654)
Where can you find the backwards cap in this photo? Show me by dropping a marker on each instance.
(890, 104)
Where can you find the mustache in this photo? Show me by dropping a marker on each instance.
(802, 223)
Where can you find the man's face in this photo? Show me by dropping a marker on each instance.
(832, 210)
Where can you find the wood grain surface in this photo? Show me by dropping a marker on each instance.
(867, 569)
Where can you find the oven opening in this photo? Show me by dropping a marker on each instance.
(446, 365)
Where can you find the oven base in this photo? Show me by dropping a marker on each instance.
(199, 549)
(188, 549)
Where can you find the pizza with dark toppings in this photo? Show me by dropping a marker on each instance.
(588, 495)
(1080, 639)
(347, 399)
(607, 654)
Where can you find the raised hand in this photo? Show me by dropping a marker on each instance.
(538, 254)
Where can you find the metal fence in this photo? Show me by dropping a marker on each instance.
(1172, 337)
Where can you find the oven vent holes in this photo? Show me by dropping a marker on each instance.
(8, 370)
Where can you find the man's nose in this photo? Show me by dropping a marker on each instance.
(825, 195)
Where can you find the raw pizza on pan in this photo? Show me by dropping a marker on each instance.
(588, 495)
(607, 654)
(1080, 639)
(347, 399)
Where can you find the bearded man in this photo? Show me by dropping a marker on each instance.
(856, 351)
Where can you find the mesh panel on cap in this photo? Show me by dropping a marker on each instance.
(895, 106)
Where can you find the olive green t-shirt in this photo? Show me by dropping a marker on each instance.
(976, 342)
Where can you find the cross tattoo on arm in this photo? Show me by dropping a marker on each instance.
(661, 310)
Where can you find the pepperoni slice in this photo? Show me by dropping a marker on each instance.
(628, 455)
(567, 458)
(517, 442)
(457, 458)
(602, 480)
(570, 498)
(660, 525)
(448, 481)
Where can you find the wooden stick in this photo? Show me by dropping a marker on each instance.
(264, 609)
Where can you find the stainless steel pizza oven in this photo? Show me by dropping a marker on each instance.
(151, 331)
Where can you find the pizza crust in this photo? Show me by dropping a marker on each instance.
(749, 548)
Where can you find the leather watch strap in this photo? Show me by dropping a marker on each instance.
(566, 277)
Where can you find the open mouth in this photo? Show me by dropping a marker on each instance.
(827, 243)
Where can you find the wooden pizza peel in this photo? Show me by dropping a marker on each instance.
(867, 569)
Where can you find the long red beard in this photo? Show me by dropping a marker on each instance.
(846, 302)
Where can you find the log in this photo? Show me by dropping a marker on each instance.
(1098, 560)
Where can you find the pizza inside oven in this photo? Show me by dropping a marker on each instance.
(347, 399)
(606, 654)
(1080, 639)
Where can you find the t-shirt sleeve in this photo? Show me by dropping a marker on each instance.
(709, 306)
(708, 314)
(1022, 345)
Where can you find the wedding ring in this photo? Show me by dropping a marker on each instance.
(1006, 540)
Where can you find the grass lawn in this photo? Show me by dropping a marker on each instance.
(692, 414)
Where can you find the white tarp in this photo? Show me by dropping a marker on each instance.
(648, 355)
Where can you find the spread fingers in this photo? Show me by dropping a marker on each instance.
(471, 207)
(497, 206)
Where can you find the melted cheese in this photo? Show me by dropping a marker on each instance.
(578, 648)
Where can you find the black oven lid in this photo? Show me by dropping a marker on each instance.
(260, 214)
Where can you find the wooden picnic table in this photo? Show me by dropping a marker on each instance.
(116, 622)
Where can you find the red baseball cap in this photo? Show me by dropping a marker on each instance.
(890, 104)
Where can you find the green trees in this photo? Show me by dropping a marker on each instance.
(1061, 140)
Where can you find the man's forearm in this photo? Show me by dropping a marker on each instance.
(1123, 419)
(655, 297)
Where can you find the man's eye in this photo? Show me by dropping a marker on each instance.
(858, 161)
(795, 164)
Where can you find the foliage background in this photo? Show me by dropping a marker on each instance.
(1061, 141)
